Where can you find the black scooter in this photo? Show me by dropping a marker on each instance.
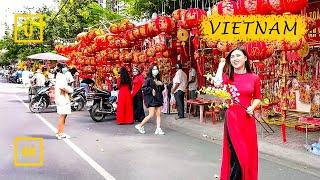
(41, 100)
(103, 103)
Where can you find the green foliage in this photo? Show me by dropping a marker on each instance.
(144, 8)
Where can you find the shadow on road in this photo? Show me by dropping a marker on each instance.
(44, 136)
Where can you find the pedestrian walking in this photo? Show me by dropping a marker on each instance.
(152, 90)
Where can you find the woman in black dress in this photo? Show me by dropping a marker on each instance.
(152, 90)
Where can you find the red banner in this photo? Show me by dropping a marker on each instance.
(313, 11)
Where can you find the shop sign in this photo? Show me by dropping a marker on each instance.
(290, 28)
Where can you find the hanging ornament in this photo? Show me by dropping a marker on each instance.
(304, 51)
(193, 17)
(114, 29)
(275, 6)
(182, 35)
(259, 50)
(294, 6)
(227, 7)
(195, 42)
(253, 6)
(178, 14)
(164, 24)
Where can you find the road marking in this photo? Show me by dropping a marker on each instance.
(74, 147)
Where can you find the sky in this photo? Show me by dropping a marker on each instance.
(9, 7)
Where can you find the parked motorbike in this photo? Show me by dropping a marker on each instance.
(78, 99)
(41, 101)
(103, 103)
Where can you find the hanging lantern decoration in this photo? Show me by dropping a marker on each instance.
(160, 47)
(166, 53)
(164, 24)
(178, 14)
(142, 58)
(151, 52)
(99, 41)
(152, 29)
(253, 7)
(129, 35)
(143, 30)
(227, 7)
(193, 17)
(294, 6)
(124, 43)
(259, 50)
(136, 33)
(275, 6)
(114, 29)
(123, 26)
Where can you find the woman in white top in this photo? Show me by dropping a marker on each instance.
(62, 90)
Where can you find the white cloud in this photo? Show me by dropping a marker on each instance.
(9, 8)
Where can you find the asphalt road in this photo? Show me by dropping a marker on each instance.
(108, 151)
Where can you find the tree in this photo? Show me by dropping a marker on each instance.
(73, 17)
(145, 8)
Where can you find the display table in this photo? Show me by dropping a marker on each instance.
(307, 121)
(198, 102)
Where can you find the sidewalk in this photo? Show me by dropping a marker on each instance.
(292, 151)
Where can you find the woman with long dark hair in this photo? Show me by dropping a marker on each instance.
(124, 113)
(240, 146)
(137, 83)
(152, 90)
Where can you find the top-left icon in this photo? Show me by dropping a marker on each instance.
(28, 28)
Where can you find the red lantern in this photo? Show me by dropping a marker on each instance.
(124, 43)
(152, 29)
(136, 33)
(114, 29)
(253, 6)
(123, 26)
(164, 24)
(178, 14)
(129, 35)
(276, 6)
(150, 52)
(143, 30)
(259, 50)
(160, 47)
(294, 6)
(228, 7)
(166, 53)
(193, 17)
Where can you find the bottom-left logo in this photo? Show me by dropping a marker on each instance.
(28, 151)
